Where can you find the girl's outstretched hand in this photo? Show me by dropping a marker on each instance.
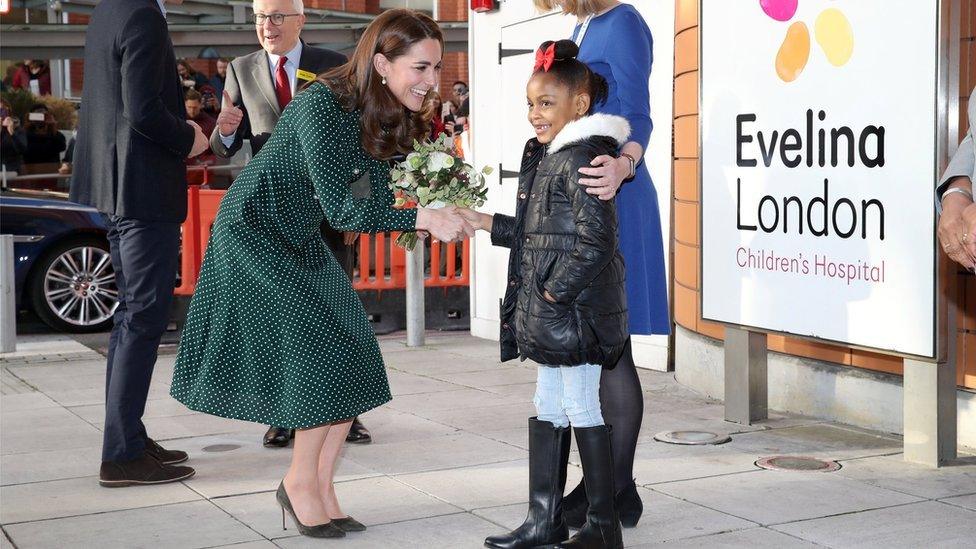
(445, 224)
(477, 220)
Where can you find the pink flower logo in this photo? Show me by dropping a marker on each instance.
(832, 30)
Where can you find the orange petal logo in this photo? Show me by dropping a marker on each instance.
(832, 30)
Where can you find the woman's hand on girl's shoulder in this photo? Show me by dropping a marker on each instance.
(607, 174)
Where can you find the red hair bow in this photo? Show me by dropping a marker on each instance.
(545, 58)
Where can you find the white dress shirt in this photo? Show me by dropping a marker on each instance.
(291, 69)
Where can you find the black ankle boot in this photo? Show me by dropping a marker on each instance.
(628, 502)
(602, 527)
(544, 525)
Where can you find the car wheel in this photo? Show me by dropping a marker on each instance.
(73, 287)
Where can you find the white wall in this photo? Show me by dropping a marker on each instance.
(499, 130)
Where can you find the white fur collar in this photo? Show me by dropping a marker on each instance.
(609, 125)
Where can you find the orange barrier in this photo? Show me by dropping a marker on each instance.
(382, 264)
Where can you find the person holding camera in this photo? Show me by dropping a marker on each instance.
(44, 142)
(13, 140)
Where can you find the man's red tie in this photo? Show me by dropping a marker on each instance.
(282, 86)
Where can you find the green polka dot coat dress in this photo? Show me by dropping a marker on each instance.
(275, 333)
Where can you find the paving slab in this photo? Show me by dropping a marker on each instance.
(49, 465)
(925, 524)
(486, 418)
(894, 473)
(264, 544)
(774, 497)
(44, 345)
(449, 400)
(26, 401)
(665, 518)
(968, 502)
(404, 383)
(445, 532)
(197, 425)
(185, 525)
(45, 429)
(82, 496)
(157, 407)
(433, 453)
(754, 538)
(822, 441)
(96, 394)
(484, 379)
(244, 466)
(481, 486)
(657, 462)
(522, 391)
(4, 542)
(372, 501)
(388, 426)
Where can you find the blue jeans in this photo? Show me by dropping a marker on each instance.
(569, 395)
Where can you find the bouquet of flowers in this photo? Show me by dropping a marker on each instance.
(432, 176)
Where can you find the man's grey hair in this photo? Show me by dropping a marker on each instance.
(299, 6)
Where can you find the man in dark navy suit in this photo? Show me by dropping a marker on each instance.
(133, 140)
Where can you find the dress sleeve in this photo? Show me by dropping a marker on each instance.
(629, 55)
(328, 146)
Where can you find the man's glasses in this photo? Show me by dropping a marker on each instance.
(276, 18)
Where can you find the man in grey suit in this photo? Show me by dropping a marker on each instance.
(258, 87)
(954, 193)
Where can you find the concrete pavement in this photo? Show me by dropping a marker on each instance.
(449, 466)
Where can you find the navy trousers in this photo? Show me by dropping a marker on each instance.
(144, 256)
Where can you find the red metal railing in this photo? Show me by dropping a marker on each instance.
(382, 264)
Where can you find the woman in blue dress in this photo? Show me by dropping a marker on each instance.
(616, 43)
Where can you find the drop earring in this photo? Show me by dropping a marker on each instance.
(384, 80)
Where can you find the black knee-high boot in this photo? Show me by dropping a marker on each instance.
(602, 527)
(548, 456)
(622, 403)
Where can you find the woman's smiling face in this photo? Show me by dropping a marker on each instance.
(412, 75)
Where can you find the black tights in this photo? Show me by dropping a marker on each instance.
(622, 402)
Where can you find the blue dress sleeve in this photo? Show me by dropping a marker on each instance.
(629, 55)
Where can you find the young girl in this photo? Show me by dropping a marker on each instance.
(565, 307)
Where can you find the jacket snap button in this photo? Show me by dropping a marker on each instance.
(511, 282)
(505, 326)
(522, 196)
(526, 239)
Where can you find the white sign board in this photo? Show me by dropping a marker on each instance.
(818, 160)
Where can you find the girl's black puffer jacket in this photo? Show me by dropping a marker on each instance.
(564, 241)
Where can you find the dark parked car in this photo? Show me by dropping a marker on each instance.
(63, 267)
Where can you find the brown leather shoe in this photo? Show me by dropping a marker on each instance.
(164, 456)
(144, 470)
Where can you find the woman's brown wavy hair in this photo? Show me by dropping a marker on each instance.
(388, 127)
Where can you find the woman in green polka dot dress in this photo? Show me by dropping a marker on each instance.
(275, 333)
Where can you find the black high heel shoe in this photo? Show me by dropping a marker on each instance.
(327, 530)
(349, 524)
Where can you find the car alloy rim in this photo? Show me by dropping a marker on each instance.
(79, 286)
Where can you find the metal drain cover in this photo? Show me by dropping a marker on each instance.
(221, 447)
(798, 463)
(693, 438)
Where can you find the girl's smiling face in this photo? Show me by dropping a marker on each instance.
(552, 105)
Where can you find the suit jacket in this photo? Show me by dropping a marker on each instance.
(963, 163)
(133, 137)
(250, 87)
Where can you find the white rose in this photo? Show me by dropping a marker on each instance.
(406, 181)
(415, 160)
(439, 161)
(436, 205)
